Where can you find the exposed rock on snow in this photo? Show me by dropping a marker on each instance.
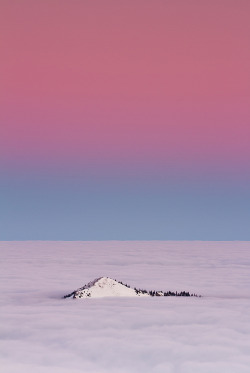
(107, 287)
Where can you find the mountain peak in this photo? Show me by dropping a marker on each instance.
(105, 287)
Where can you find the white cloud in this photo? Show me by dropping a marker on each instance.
(42, 333)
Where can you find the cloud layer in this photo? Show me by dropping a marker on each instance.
(42, 333)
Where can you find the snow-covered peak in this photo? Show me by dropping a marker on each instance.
(105, 287)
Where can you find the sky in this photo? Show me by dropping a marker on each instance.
(124, 120)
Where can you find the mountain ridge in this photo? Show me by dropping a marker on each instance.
(107, 287)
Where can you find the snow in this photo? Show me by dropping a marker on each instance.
(42, 333)
(105, 287)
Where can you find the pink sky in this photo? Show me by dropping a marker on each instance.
(142, 83)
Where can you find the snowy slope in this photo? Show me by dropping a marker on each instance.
(105, 287)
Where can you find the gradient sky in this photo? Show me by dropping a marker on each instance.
(125, 119)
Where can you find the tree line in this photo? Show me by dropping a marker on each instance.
(154, 293)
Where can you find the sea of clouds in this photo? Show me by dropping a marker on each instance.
(41, 333)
